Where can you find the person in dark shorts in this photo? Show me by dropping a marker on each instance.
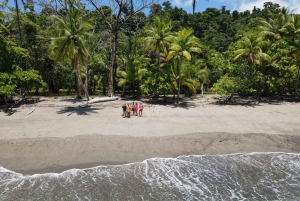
(124, 110)
(132, 108)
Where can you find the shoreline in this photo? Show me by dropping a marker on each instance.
(55, 155)
(61, 134)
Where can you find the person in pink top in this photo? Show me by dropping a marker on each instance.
(136, 109)
(141, 110)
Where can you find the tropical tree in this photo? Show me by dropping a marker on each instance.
(116, 17)
(134, 72)
(251, 49)
(71, 42)
(3, 28)
(192, 75)
(156, 36)
(184, 43)
(292, 30)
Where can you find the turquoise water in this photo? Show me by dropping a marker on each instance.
(255, 176)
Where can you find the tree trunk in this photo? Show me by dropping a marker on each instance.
(258, 91)
(18, 17)
(86, 81)
(297, 83)
(78, 78)
(179, 81)
(158, 60)
(113, 49)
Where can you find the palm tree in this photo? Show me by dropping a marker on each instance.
(184, 43)
(250, 48)
(292, 30)
(2, 26)
(272, 29)
(192, 75)
(71, 42)
(135, 70)
(156, 36)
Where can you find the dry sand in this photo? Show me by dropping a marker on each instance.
(60, 134)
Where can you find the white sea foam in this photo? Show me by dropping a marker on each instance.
(254, 176)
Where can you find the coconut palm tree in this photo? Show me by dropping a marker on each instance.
(134, 72)
(2, 26)
(156, 35)
(272, 28)
(192, 75)
(184, 43)
(250, 48)
(71, 42)
(292, 30)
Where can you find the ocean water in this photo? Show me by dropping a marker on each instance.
(255, 176)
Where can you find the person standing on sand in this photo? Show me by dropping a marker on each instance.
(136, 109)
(132, 108)
(128, 110)
(141, 110)
(124, 110)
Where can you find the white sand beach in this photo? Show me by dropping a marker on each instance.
(61, 134)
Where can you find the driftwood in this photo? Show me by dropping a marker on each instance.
(29, 112)
(103, 99)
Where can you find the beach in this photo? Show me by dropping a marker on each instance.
(62, 134)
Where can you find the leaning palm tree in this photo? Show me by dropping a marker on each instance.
(184, 43)
(71, 42)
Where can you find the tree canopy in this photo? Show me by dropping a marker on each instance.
(103, 48)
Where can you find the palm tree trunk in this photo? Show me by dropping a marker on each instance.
(179, 81)
(158, 60)
(112, 65)
(18, 17)
(128, 59)
(86, 88)
(75, 67)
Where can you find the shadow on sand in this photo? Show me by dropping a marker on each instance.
(79, 110)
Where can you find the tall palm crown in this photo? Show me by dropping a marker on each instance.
(72, 36)
(71, 41)
(251, 48)
(273, 27)
(184, 43)
(156, 35)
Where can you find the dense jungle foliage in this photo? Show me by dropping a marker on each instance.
(118, 48)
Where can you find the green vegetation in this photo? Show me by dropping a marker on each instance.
(117, 49)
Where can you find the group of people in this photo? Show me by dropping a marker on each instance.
(133, 109)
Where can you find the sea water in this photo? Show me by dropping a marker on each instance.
(255, 176)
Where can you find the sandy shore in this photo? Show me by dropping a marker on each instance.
(60, 134)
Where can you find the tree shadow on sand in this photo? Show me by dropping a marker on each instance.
(250, 101)
(79, 110)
